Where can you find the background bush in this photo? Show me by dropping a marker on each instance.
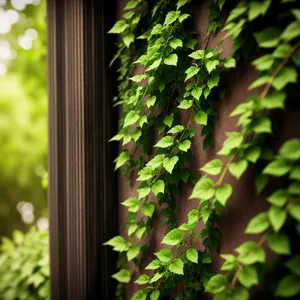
(24, 266)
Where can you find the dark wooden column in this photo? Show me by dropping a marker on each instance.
(82, 187)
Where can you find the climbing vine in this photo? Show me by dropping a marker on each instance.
(164, 74)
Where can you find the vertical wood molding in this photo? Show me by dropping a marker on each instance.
(82, 186)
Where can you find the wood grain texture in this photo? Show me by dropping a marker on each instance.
(82, 187)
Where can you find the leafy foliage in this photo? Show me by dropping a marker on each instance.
(24, 266)
(180, 76)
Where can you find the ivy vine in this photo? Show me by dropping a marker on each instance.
(177, 74)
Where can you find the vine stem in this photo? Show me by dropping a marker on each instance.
(239, 269)
(262, 95)
(220, 180)
(278, 69)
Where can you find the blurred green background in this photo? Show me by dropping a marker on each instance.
(23, 115)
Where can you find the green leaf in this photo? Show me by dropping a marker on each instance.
(274, 100)
(191, 71)
(282, 51)
(277, 168)
(155, 295)
(279, 243)
(294, 264)
(185, 104)
(156, 161)
(285, 76)
(131, 118)
(171, 60)
(171, 17)
(176, 266)
(291, 31)
(190, 44)
(211, 65)
(155, 264)
(119, 27)
(143, 279)
(185, 145)
(182, 17)
(181, 3)
(223, 193)
(277, 217)
(257, 8)
(142, 120)
(238, 168)
(193, 216)
(235, 13)
(132, 204)
(151, 101)
(192, 255)
(264, 62)
(139, 295)
(295, 173)
(168, 120)
(186, 227)
(197, 92)
(260, 182)
(213, 81)
(268, 38)
(198, 54)
(158, 187)
(291, 149)
(138, 78)
(279, 197)
(258, 224)
(262, 125)
(123, 158)
(119, 243)
(233, 141)
(230, 63)
(169, 163)
(133, 252)
(214, 167)
(252, 153)
(154, 65)
(289, 286)
(145, 174)
(165, 142)
(156, 277)
(143, 191)
(148, 209)
(128, 39)
(164, 255)
(203, 189)
(259, 82)
(294, 188)
(296, 13)
(174, 237)
(248, 276)
(294, 211)
(250, 253)
(140, 232)
(216, 284)
(201, 118)
(122, 276)
(176, 129)
(175, 43)
(132, 228)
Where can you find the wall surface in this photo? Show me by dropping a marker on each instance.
(244, 203)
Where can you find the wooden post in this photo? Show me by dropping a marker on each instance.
(82, 186)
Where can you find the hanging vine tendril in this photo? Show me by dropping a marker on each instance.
(176, 74)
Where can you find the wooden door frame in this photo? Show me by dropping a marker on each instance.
(82, 185)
